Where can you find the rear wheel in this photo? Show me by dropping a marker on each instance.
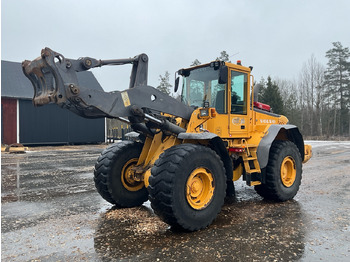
(113, 179)
(188, 186)
(283, 172)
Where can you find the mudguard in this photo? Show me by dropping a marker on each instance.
(217, 145)
(197, 136)
(289, 132)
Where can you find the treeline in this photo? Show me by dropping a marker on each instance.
(318, 102)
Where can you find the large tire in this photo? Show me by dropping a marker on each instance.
(187, 186)
(283, 172)
(111, 175)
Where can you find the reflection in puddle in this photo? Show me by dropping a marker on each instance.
(26, 178)
(10, 182)
(247, 230)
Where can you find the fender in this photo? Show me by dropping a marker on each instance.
(217, 145)
(280, 132)
(198, 136)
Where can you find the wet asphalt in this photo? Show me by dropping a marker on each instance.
(50, 211)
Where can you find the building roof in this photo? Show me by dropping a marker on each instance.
(15, 84)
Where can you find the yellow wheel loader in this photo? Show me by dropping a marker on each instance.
(189, 151)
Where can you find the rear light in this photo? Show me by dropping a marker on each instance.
(212, 112)
(236, 149)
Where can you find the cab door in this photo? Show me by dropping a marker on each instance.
(239, 104)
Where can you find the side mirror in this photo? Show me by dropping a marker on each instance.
(176, 87)
(223, 75)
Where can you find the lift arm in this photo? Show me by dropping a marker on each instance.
(55, 80)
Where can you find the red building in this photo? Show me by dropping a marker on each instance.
(9, 120)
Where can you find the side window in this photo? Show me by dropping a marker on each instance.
(238, 93)
(218, 97)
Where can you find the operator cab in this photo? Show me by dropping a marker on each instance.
(225, 87)
(205, 86)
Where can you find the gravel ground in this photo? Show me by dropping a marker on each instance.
(51, 212)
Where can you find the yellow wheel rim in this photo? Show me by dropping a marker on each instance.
(200, 188)
(127, 176)
(288, 171)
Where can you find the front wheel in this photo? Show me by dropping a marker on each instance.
(113, 177)
(187, 186)
(283, 172)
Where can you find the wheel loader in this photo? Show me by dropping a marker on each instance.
(189, 151)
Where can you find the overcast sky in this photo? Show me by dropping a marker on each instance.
(275, 37)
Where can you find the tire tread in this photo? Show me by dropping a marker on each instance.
(162, 178)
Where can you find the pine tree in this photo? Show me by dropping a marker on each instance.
(164, 85)
(272, 96)
(224, 57)
(337, 82)
(195, 62)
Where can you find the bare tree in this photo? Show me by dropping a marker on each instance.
(289, 92)
(311, 85)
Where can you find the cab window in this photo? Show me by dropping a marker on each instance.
(202, 85)
(238, 93)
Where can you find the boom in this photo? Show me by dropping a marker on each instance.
(55, 81)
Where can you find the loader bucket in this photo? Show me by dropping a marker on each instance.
(48, 86)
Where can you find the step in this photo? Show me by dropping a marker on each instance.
(255, 183)
(253, 171)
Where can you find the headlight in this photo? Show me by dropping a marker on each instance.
(203, 112)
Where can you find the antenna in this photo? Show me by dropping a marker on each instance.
(233, 54)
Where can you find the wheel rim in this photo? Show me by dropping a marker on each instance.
(288, 171)
(127, 176)
(200, 188)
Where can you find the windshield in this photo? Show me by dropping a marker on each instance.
(202, 85)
